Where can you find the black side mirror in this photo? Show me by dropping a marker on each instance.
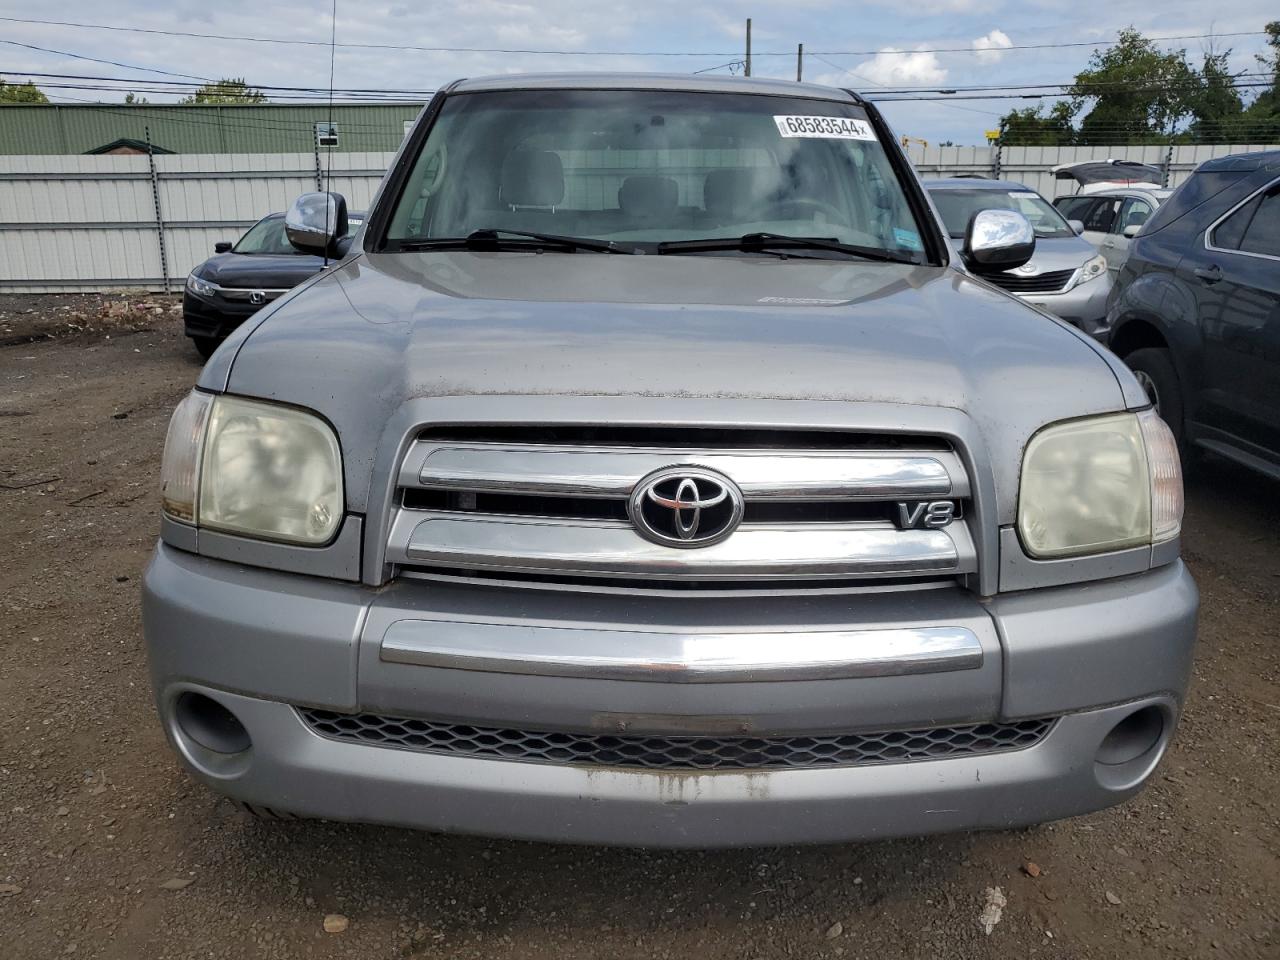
(222, 246)
(997, 240)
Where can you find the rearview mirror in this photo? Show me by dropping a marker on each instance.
(1077, 226)
(1132, 230)
(997, 240)
(222, 246)
(315, 221)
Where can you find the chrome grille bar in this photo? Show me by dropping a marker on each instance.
(613, 471)
(612, 549)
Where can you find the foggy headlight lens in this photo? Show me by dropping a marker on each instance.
(270, 471)
(1086, 488)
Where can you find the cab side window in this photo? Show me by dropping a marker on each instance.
(1262, 236)
(1134, 214)
(1102, 217)
(1230, 232)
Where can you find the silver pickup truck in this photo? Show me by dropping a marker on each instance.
(653, 470)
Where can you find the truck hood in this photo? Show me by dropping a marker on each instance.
(357, 343)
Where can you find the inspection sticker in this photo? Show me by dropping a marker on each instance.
(824, 128)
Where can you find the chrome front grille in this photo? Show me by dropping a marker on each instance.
(815, 508)
(674, 752)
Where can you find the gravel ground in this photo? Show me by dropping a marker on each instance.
(107, 849)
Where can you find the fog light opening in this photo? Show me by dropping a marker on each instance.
(210, 725)
(1133, 737)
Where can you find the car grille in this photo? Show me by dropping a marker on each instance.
(673, 752)
(550, 504)
(1051, 282)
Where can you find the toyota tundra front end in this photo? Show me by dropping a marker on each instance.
(653, 471)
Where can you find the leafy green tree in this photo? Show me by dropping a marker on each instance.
(1139, 93)
(226, 90)
(1261, 122)
(21, 93)
(134, 98)
(1216, 106)
(1035, 127)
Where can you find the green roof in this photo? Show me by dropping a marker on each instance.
(181, 128)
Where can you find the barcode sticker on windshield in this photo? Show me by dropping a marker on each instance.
(825, 128)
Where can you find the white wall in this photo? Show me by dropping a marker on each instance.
(77, 223)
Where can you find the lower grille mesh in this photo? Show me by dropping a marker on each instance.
(660, 752)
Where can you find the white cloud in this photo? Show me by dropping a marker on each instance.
(989, 47)
(894, 67)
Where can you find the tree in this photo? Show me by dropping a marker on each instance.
(134, 98)
(1033, 127)
(1216, 106)
(21, 93)
(1139, 93)
(1261, 122)
(226, 90)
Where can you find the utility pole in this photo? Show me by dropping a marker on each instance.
(799, 63)
(747, 69)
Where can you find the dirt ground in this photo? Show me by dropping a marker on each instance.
(107, 849)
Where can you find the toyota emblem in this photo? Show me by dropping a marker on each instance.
(685, 507)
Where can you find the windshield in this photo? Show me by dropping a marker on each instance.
(267, 236)
(643, 167)
(957, 206)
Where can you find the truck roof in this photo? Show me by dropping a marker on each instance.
(653, 81)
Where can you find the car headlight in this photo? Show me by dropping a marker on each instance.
(1106, 483)
(252, 468)
(1094, 268)
(201, 287)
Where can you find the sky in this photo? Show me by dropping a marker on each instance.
(868, 45)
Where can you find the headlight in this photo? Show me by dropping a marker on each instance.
(1107, 483)
(252, 468)
(1093, 268)
(201, 287)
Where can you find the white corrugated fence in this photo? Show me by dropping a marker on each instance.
(83, 223)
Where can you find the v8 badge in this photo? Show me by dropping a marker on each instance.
(925, 514)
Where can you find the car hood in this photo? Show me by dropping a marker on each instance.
(1057, 253)
(260, 271)
(380, 331)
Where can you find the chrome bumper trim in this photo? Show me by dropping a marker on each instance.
(613, 549)
(678, 657)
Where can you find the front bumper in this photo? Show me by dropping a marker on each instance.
(214, 316)
(1083, 306)
(259, 642)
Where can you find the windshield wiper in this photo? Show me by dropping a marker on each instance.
(777, 241)
(491, 238)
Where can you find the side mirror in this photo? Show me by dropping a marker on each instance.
(315, 221)
(222, 246)
(1132, 230)
(997, 240)
(1077, 226)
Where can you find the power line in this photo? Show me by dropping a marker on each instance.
(836, 66)
(112, 63)
(603, 53)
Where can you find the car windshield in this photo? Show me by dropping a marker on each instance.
(267, 237)
(957, 206)
(640, 167)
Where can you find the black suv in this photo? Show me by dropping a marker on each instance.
(1196, 311)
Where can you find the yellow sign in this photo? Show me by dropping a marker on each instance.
(993, 134)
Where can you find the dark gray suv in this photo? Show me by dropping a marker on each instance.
(654, 470)
(1196, 313)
